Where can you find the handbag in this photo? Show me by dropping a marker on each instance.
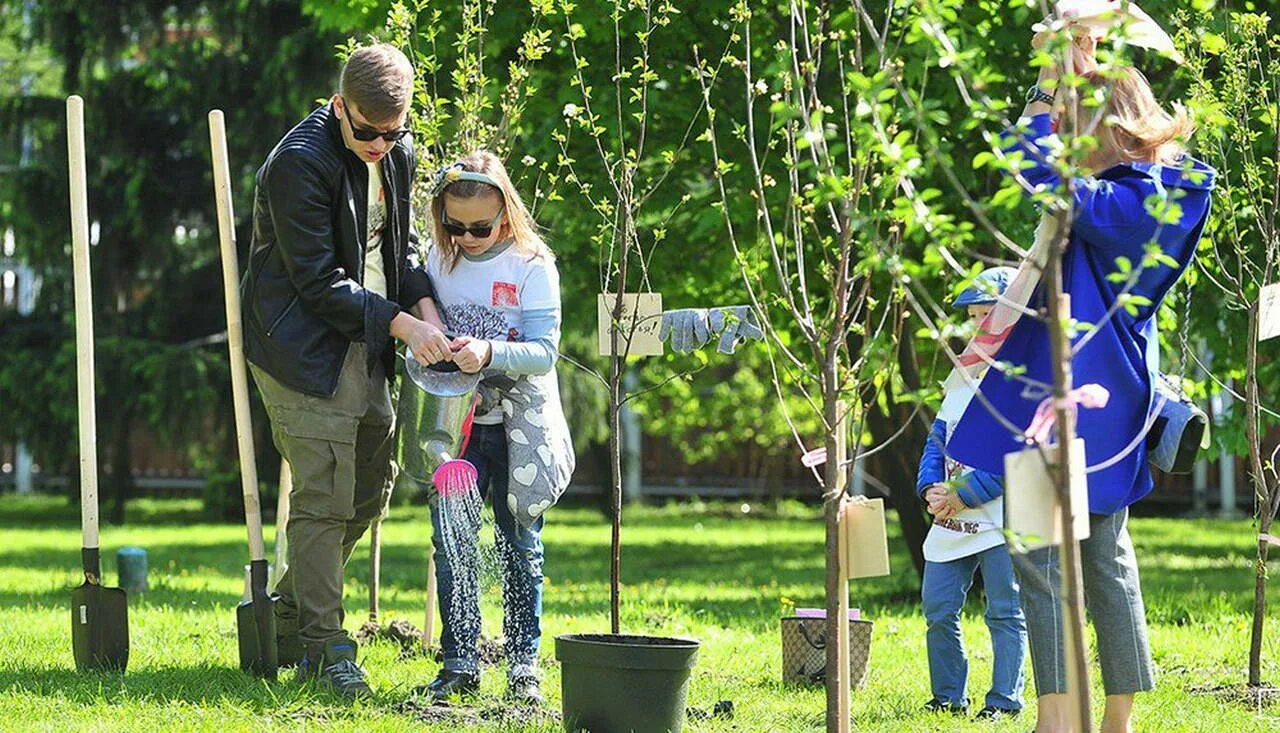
(1180, 429)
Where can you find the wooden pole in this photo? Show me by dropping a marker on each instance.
(836, 582)
(1262, 499)
(375, 566)
(842, 606)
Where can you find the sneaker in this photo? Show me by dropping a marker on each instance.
(525, 690)
(334, 666)
(449, 683)
(937, 706)
(991, 712)
(289, 648)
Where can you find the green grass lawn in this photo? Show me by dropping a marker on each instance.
(702, 570)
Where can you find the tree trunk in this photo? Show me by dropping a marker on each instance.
(1074, 645)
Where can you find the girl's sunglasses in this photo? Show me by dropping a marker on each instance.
(481, 232)
(368, 136)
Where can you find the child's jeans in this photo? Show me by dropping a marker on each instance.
(944, 589)
(520, 554)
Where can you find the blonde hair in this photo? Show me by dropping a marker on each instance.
(524, 230)
(1134, 125)
(378, 80)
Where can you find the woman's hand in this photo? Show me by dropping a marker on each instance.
(471, 355)
(1084, 47)
(1085, 56)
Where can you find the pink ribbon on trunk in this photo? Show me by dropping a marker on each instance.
(1089, 395)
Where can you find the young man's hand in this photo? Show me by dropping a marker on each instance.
(427, 342)
(471, 355)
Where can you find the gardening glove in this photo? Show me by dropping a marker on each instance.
(687, 328)
(735, 323)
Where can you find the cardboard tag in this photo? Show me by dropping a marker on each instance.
(640, 321)
(864, 543)
(1269, 312)
(1031, 506)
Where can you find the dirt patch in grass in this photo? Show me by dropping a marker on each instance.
(409, 638)
(1245, 695)
(489, 712)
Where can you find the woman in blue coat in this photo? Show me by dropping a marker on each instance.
(1143, 189)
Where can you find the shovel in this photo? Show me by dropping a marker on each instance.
(255, 618)
(99, 616)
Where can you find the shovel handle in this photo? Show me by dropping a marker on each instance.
(84, 324)
(375, 565)
(235, 337)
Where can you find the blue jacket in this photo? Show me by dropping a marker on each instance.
(1111, 221)
(976, 487)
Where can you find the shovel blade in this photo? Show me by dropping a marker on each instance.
(256, 629)
(99, 628)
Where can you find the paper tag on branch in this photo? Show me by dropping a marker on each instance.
(1031, 504)
(639, 322)
(815, 457)
(863, 541)
(1269, 312)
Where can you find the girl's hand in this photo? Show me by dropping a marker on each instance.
(471, 355)
(947, 506)
(934, 492)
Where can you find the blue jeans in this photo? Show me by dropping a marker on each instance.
(944, 589)
(520, 554)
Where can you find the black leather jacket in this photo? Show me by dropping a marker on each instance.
(302, 293)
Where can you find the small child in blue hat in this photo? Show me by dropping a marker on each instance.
(967, 534)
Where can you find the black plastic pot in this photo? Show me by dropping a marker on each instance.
(617, 683)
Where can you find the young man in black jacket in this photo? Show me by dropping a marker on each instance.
(333, 278)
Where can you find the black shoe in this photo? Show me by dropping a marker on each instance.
(449, 683)
(334, 666)
(937, 706)
(991, 712)
(525, 690)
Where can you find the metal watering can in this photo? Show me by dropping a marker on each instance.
(436, 403)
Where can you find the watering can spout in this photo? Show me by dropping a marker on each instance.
(435, 402)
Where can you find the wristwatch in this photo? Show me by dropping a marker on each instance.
(1036, 94)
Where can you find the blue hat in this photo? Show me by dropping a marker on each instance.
(986, 287)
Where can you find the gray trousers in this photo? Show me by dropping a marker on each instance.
(1113, 600)
(340, 452)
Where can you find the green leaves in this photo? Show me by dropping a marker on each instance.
(1213, 43)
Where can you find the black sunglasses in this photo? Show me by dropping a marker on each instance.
(481, 232)
(368, 136)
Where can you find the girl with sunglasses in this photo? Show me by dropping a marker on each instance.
(497, 289)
